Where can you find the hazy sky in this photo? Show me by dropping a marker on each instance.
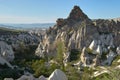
(47, 11)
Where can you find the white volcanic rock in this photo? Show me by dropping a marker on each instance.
(85, 57)
(58, 75)
(93, 45)
(66, 58)
(40, 50)
(71, 43)
(99, 50)
(6, 51)
(43, 47)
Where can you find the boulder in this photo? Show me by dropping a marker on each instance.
(26, 77)
(42, 78)
(58, 75)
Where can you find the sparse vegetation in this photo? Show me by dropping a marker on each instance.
(9, 31)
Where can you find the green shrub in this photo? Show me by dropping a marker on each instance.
(74, 55)
(39, 67)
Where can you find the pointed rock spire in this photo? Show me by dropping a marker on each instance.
(77, 14)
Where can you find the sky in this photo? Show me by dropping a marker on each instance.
(48, 11)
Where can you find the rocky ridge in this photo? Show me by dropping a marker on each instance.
(99, 37)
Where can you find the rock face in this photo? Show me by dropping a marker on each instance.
(84, 57)
(78, 31)
(6, 51)
(6, 54)
(57, 75)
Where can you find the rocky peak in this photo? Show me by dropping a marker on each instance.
(77, 14)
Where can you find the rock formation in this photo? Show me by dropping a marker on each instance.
(6, 51)
(6, 54)
(78, 31)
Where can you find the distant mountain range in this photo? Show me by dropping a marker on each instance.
(27, 26)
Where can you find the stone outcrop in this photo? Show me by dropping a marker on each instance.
(17, 37)
(84, 57)
(6, 54)
(78, 31)
(6, 51)
(77, 14)
(101, 52)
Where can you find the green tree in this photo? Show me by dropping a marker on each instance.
(61, 49)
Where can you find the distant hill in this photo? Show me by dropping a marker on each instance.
(27, 26)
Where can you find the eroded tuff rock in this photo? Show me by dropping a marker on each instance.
(78, 31)
(102, 51)
(6, 54)
(6, 51)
